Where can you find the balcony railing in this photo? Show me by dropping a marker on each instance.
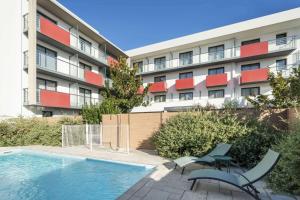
(254, 76)
(72, 70)
(285, 70)
(70, 38)
(158, 87)
(56, 99)
(216, 80)
(184, 84)
(228, 54)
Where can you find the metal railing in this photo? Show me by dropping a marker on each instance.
(285, 70)
(226, 54)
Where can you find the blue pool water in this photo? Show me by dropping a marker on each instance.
(26, 175)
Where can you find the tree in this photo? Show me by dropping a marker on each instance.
(285, 92)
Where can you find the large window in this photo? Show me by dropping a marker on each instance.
(213, 71)
(139, 65)
(281, 39)
(159, 79)
(46, 58)
(216, 93)
(159, 98)
(186, 75)
(251, 66)
(85, 96)
(250, 41)
(216, 52)
(186, 58)
(160, 63)
(186, 96)
(85, 45)
(85, 66)
(281, 64)
(252, 91)
(43, 84)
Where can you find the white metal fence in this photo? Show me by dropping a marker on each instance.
(97, 136)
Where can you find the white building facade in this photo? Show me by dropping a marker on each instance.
(52, 61)
(218, 65)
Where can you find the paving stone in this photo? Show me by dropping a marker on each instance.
(190, 195)
(281, 197)
(175, 196)
(142, 192)
(155, 194)
(238, 195)
(219, 196)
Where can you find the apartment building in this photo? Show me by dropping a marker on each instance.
(52, 61)
(219, 65)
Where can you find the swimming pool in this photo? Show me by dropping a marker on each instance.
(34, 175)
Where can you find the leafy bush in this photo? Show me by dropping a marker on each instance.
(197, 133)
(286, 175)
(19, 132)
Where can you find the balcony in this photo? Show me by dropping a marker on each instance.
(53, 31)
(261, 50)
(93, 78)
(184, 84)
(140, 90)
(254, 76)
(158, 87)
(112, 61)
(216, 80)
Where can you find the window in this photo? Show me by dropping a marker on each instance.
(250, 41)
(85, 45)
(85, 96)
(281, 64)
(85, 66)
(186, 58)
(46, 17)
(216, 52)
(186, 96)
(160, 63)
(186, 75)
(44, 84)
(159, 79)
(251, 66)
(139, 65)
(46, 58)
(252, 91)
(216, 93)
(47, 113)
(281, 39)
(213, 71)
(159, 98)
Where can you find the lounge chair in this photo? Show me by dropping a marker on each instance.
(220, 150)
(242, 181)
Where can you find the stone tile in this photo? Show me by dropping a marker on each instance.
(219, 196)
(142, 192)
(237, 195)
(190, 195)
(281, 197)
(175, 196)
(157, 195)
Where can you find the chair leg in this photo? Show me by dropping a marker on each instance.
(194, 181)
(175, 166)
(182, 170)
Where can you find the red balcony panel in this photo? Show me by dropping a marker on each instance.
(184, 84)
(140, 90)
(254, 76)
(93, 78)
(216, 80)
(255, 49)
(53, 31)
(158, 87)
(112, 61)
(54, 99)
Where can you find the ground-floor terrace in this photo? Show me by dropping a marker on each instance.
(164, 183)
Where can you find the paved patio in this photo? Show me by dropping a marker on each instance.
(165, 183)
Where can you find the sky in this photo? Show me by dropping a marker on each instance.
(134, 23)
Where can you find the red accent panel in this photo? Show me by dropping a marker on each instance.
(183, 84)
(55, 32)
(255, 49)
(93, 78)
(216, 80)
(158, 87)
(112, 61)
(54, 99)
(140, 90)
(253, 76)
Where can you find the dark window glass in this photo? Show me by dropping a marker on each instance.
(160, 63)
(250, 41)
(85, 45)
(281, 64)
(159, 98)
(85, 66)
(186, 96)
(281, 39)
(216, 93)
(251, 66)
(186, 58)
(46, 17)
(139, 65)
(47, 113)
(85, 96)
(213, 71)
(46, 58)
(159, 79)
(216, 53)
(186, 75)
(44, 84)
(253, 91)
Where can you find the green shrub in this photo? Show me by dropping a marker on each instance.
(19, 132)
(197, 133)
(286, 175)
